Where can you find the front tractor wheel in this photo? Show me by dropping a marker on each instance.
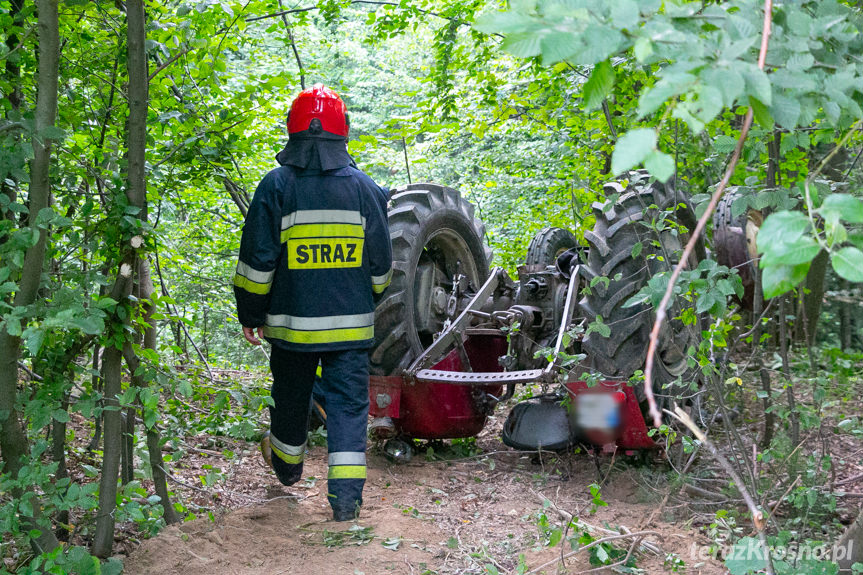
(633, 240)
(548, 245)
(435, 237)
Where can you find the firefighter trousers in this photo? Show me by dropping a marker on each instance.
(345, 387)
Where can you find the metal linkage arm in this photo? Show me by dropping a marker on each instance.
(447, 337)
(568, 309)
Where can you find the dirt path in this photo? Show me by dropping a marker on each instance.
(483, 514)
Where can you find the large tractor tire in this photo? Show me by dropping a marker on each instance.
(548, 245)
(734, 242)
(615, 254)
(435, 235)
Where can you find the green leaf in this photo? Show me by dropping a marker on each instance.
(842, 206)
(781, 228)
(746, 557)
(728, 83)
(503, 22)
(779, 279)
(392, 543)
(631, 149)
(660, 165)
(668, 87)
(789, 142)
(724, 144)
(757, 84)
(522, 45)
(52, 133)
(60, 415)
(761, 113)
(599, 85)
(599, 327)
(624, 14)
(13, 326)
(33, 341)
(848, 263)
(559, 46)
(799, 251)
(91, 325)
(112, 567)
(786, 111)
(643, 49)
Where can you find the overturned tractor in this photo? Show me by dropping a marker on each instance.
(454, 337)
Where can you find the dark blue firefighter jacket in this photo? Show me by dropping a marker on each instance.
(315, 255)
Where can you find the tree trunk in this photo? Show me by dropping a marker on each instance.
(160, 478)
(96, 383)
(758, 361)
(13, 439)
(814, 296)
(127, 442)
(154, 440)
(850, 545)
(845, 323)
(103, 539)
(12, 75)
(136, 193)
(58, 454)
(786, 371)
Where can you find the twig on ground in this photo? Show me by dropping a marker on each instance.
(638, 534)
(784, 495)
(617, 564)
(569, 518)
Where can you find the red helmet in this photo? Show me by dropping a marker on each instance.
(322, 103)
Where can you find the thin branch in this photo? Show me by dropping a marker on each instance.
(167, 63)
(373, 3)
(33, 375)
(294, 48)
(11, 126)
(637, 534)
(699, 228)
(282, 13)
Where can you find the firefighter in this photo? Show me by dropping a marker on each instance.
(315, 256)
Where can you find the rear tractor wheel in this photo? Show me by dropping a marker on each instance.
(734, 242)
(435, 237)
(633, 240)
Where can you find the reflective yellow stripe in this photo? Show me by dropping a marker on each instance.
(380, 288)
(288, 453)
(347, 472)
(250, 286)
(380, 283)
(322, 336)
(321, 230)
(292, 459)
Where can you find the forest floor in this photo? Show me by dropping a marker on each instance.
(466, 507)
(493, 512)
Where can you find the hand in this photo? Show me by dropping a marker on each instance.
(249, 334)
